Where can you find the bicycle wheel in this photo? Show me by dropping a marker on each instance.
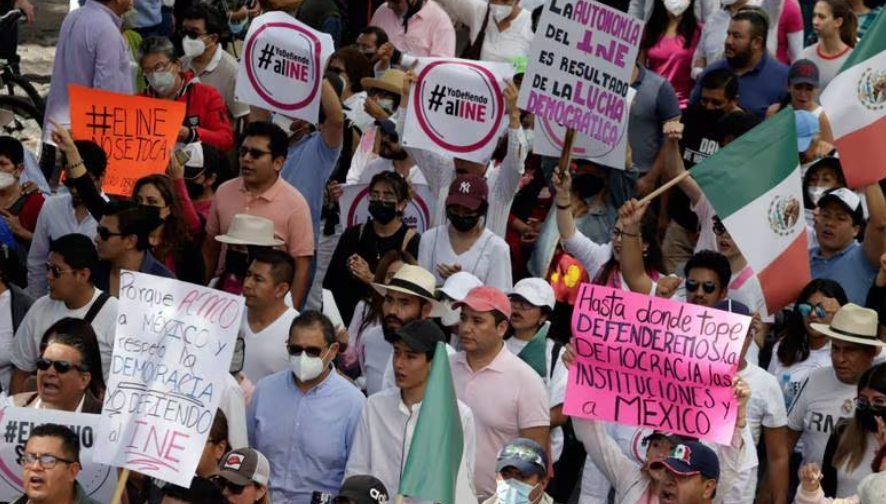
(27, 123)
(21, 87)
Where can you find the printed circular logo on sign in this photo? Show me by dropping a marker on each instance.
(454, 108)
(283, 64)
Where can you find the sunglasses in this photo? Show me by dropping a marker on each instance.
(61, 366)
(233, 488)
(807, 309)
(693, 285)
(296, 350)
(55, 271)
(105, 234)
(253, 153)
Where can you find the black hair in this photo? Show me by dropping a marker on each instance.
(714, 261)
(395, 181)
(721, 78)
(202, 491)
(735, 124)
(658, 23)
(357, 66)
(69, 439)
(94, 157)
(216, 162)
(282, 264)
(794, 346)
(381, 36)
(831, 163)
(78, 251)
(653, 258)
(278, 141)
(758, 19)
(79, 335)
(499, 317)
(135, 220)
(313, 318)
(211, 17)
(11, 148)
(219, 430)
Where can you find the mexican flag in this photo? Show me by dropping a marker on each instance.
(855, 103)
(754, 185)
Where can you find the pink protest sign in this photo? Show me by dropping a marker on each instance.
(654, 363)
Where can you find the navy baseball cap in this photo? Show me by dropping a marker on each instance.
(689, 459)
(525, 455)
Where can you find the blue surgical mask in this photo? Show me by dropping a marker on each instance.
(512, 491)
(237, 27)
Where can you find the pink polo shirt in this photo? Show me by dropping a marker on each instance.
(281, 203)
(505, 396)
(430, 32)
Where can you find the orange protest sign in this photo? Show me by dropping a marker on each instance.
(136, 132)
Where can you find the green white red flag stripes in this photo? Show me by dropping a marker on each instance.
(855, 103)
(755, 187)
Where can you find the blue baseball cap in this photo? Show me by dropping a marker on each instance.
(807, 128)
(689, 459)
(525, 455)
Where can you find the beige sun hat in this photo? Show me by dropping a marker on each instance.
(250, 230)
(854, 324)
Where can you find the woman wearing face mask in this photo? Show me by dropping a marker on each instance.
(206, 116)
(361, 247)
(352, 67)
(803, 89)
(465, 244)
(454, 290)
(500, 29)
(671, 36)
(851, 448)
(827, 173)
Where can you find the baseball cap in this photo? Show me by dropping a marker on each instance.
(419, 335)
(803, 71)
(807, 128)
(363, 490)
(536, 291)
(486, 298)
(244, 466)
(674, 439)
(689, 459)
(848, 198)
(459, 284)
(469, 191)
(524, 454)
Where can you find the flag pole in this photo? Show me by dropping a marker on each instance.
(121, 486)
(398, 499)
(667, 185)
(566, 153)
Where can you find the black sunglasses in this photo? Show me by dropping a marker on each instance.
(253, 153)
(298, 350)
(43, 364)
(222, 483)
(693, 285)
(105, 234)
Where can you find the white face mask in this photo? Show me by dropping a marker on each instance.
(676, 7)
(500, 12)
(193, 47)
(306, 368)
(512, 491)
(451, 316)
(387, 104)
(161, 82)
(815, 193)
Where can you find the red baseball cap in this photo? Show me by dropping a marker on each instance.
(469, 191)
(485, 299)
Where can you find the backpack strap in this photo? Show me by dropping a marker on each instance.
(96, 307)
(555, 354)
(410, 233)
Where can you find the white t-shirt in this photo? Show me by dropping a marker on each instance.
(791, 378)
(6, 334)
(266, 350)
(489, 258)
(374, 354)
(847, 481)
(47, 311)
(820, 403)
(379, 165)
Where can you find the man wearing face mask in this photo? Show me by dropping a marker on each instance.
(201, 29)
(522, 467)
(506, 28)
(304, 418)
(206, 117)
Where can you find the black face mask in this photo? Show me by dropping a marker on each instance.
(588, 185)
(195, 190)
(462, 223)
(868, 419)
(236, 263)
(710, 117)
(383, 211)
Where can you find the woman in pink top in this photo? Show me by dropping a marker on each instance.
(672, 34)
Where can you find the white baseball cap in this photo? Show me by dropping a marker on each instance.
(536, 291)
(458, 285)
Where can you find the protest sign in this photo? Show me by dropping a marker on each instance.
(136, 132)
(172, 348)
(354, 204)
(580, 70)
(457, 107)
(549, 137)
(655, 363)
(97, 480)
(282, 66)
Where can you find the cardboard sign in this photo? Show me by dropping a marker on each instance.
(172, 348)
(282, 66)
(97, 480)
(655, 363)
(457, 107)
(354, 204)
(136, 132)
(580, 69)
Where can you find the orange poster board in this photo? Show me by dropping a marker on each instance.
(136, 132)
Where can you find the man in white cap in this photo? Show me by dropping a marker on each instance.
(244, 232)
(828, 394)
(454, 290)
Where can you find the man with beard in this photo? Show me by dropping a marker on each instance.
(408, 296)
(391, 157)
(762, 78)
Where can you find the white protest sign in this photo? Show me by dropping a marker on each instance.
(549, 137)
(16, 424)
(580, 69)
(172, 348)
(282, 66)
(354, 205)
(457, 107)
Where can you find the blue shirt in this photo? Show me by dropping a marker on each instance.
(758, 88)
(306, 437)
(146, 13)
(849, 267)
(309, 164)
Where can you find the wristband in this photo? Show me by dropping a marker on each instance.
(75, 165)
(564, 207)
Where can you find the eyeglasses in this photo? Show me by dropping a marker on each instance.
(298, 350)
(159, 67)
(62, 366)
(719, 229)
(55, 271)
(521, 304)
(807, 309)
(253, 153)
(233, 488)
(620, 233)
(47, 461)
(862, 404)
(693, 285)
(105, 234)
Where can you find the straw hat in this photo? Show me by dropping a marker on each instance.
(854, 324)
(413, 280)
(390, 81)
(250, 230)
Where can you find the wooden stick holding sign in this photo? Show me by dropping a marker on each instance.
(667, 185)
(566, 153)
(121, 486)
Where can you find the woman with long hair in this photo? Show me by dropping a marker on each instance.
(836, 27)
(669, 43)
